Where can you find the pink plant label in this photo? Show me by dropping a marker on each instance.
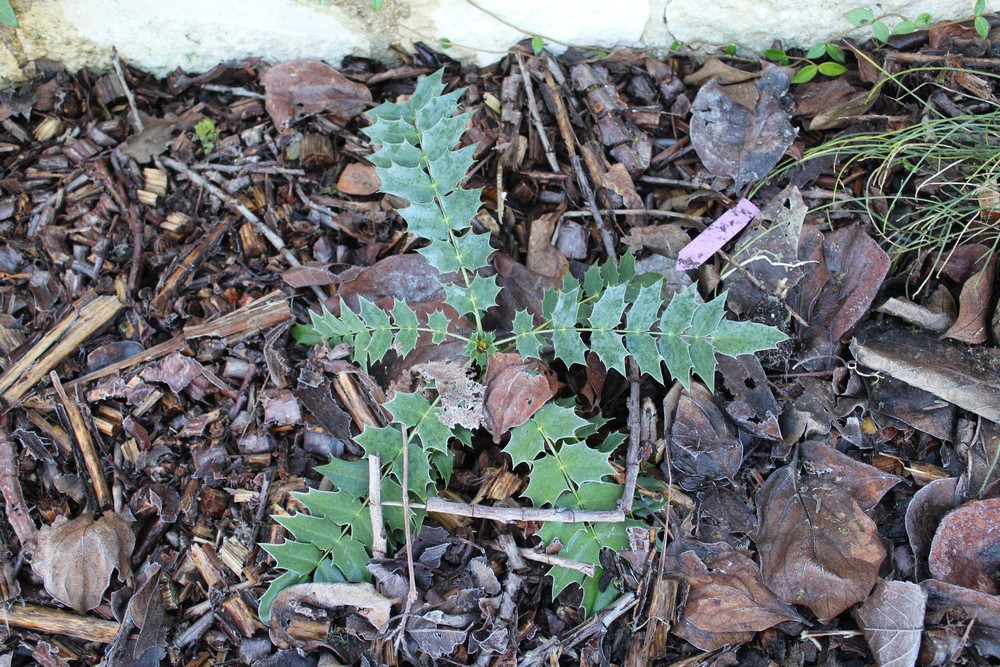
(718, 234)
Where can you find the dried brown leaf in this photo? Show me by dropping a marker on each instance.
(841, 290)
(720, 71)
(307, 276)
(297, 88)
(740, 141)
(727, 601)
(75, 557)
(359, 178)
(702, 443)
(817, 546)
(516, 388)
(753, 406)
(974, 306)
(966, 547)
(543, 257)
(866, 484)
(893, 621)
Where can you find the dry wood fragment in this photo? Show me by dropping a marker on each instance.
(88, 451)
(266, 312)
(186, 267)
(237, 206)
(10, 487)
(57, 622)
(83, 320)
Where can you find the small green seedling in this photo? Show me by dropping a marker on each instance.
(208, 134)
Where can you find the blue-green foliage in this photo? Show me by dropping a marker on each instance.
(614, 313)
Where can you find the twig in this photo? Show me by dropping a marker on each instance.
(902, 57)
(54, 621)
(569, 138)
(514, 514)
(235, 205)
(536, 118)
(653, 213)
(634, 438)
(658, 180)
(552, 559)
(233, 90)
(10, 486)
(86, 443)
(253, 168)
(128, 91)
(375, 505)
(411, 595)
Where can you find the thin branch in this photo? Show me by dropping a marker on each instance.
(375, 505)
(536, 118)
(411, 595)
(553, 559)
(515, 514)
(634, 438)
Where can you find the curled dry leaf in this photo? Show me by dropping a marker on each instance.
(726, 601)
(966, 547)
(923, 515)
(516, 388)
(974, 306)
(893, 620)
(75, 557)
(817, 546)
(361, 598)
(300, 87)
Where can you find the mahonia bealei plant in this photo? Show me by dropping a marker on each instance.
(614, 313)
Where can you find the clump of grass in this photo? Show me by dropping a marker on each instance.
(928, 187)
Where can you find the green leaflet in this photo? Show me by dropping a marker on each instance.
(331, 543)
(621, 319)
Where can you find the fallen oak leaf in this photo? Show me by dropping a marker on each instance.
(75, 557)
(726, 601)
